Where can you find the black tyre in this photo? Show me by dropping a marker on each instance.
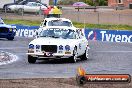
(81, 80)
(85, 56)
(8, 9)
(10, 38)
(31, 59)
(74, 57)
(20, 11)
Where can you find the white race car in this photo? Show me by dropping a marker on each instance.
(55, 22)
(59, 42)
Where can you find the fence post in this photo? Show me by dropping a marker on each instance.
(119, 18)
(5, 12)
(98, 18)
(22, 13)
(40, 11)
(78, 16)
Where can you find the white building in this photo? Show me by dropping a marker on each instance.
(2, 2)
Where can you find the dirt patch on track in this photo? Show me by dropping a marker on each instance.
(55, 83)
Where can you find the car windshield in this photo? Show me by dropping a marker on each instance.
(59, 23)
(18, 1)
(58, 33)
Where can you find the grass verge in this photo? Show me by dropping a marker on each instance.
(79, 25)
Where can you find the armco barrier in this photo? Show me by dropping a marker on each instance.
(91, 34)
(108, 35)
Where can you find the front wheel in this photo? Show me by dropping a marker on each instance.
(85, 56)
(10, 38)
(31, 59)
(74, 57)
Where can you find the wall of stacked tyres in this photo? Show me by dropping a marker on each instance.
(91, 34)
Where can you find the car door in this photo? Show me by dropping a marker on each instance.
(17, 7)
(82, 43)
(27, 7)
(78, 44)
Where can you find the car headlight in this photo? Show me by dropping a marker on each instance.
(10, 29)
(31, 46)
(60, 47)
(37, 46)
(67, 47)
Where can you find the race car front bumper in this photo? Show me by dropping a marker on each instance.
(51, 55)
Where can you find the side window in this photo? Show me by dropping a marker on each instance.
(34, 4)
(120, 1)
(38, 4)
(29, 4)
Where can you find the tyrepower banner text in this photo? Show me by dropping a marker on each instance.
(108, 35)
(91, 34)
(26, 31)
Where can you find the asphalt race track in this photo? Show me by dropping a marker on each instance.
(105, 57)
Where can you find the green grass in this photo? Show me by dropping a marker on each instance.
(79, 25)
(23, 22)
(104, 26)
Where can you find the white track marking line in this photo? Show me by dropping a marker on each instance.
(115, 51)
(13, 47)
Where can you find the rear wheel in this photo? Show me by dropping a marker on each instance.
(20, 11)
(31, 59)
(74, 57)
(8, 9)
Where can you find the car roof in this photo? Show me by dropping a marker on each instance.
(31, 2)
(60, 27)
(50, 19)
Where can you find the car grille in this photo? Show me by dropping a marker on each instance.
(3, 30)
(49, 48)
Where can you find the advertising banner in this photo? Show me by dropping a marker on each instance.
(109, 35)
(26, 31)
(91, 34)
